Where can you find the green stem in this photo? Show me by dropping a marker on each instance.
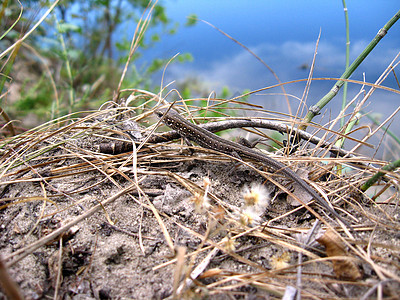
(3, 9)
(68, 67)
(344, 100)
(339, 143)
(5, 72)
(314, 110)
(390, 167)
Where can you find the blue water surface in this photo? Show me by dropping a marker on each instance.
(284, 35)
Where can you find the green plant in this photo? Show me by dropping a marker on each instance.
(78, 58)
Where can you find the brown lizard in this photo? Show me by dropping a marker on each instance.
(212, 141)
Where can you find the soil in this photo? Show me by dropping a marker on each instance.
(131, 247)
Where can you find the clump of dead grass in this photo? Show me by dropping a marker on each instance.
(56, 184)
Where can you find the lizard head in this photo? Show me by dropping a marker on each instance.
(164, 115)
(160, 112)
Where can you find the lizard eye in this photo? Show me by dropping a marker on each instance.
(158, 113)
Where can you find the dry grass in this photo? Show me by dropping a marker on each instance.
(57, 175)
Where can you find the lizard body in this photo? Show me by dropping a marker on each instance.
(212, 141)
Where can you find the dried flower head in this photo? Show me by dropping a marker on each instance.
(206, 181)
(229, 244)
(256, 195)
(207, 184)
(201, 203)
(280, 261)
(250, 216)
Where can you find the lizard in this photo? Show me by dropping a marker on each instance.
(207, 139)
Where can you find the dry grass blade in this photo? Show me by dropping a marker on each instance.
(4, 53)
(7, 283)
(136, 39)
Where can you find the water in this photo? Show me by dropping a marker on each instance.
(283, 34)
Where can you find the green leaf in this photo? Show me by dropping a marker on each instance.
(68, 27)
(186, 93)
(245, 98)
(155, 65)
(191, 20)
(74, 53)
(159, 14)
(225, 92)
(185, 57)
(155, 37)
